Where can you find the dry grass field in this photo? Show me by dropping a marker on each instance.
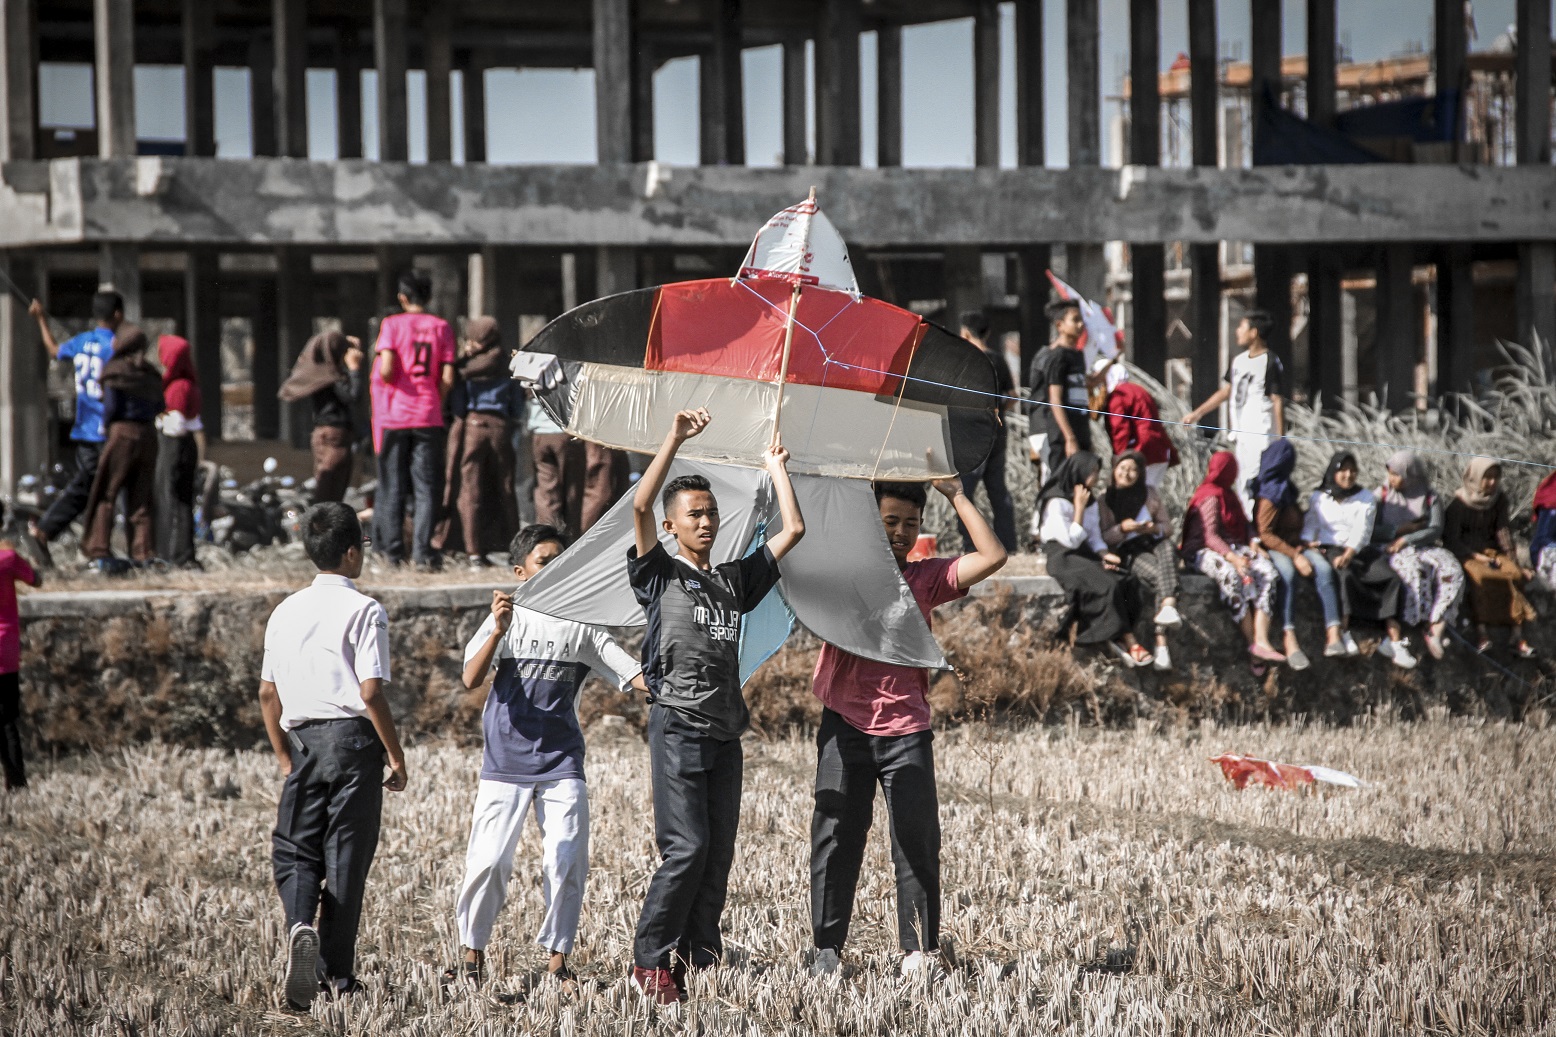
(1095, 882)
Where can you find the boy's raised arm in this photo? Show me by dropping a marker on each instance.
(988, 556)
(788, 505)
(684, 426)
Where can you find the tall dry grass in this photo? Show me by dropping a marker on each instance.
(1096, 881)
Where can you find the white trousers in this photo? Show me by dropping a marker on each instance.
(562, 810)
(1249, 449)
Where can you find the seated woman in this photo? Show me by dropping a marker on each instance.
(1216, 543)
(1339, 527)
(1409, 530)
(1544, 534)
(1278, 520)
(1104, 601)
(1135, 527)
(1475, 529)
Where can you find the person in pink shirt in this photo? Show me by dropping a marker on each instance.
(13, 570)
(875, 729)
(413, 371)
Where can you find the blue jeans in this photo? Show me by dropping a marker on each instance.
(1324, 582)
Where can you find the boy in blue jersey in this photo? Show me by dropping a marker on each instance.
(533, 756)
(88, 352)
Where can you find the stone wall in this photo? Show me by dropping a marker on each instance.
(117, 667)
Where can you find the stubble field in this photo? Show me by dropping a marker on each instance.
(1095, 882)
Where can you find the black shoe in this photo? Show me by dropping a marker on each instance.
(302, 964)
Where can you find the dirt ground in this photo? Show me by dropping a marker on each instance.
(1094, 882)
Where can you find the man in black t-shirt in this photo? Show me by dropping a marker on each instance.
(975, 329)
(1059, 387)
(691, 662)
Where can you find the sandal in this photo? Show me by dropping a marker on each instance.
(1525, 650)
(1139, 655)
(1483, 645)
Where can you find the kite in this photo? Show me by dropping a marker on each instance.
(1243, 771)
(858, 388)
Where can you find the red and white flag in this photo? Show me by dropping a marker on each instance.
(1243, 771)
(799, 245)
(1101, 337)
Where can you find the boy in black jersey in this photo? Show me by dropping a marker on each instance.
(691, 661)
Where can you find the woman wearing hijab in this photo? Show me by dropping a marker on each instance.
(1475, 529)
(132, 399)
(328, 374)
(1409, 530)
(1216, 542)
(180, 449)
(1544, 535)
(480, 512)
(1136, 528)
(1340, 515)
(1278, 520)
(1104, 603)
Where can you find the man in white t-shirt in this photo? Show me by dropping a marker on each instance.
(1255, 392)
(321, 693)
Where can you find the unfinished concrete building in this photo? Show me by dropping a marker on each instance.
(278, 242)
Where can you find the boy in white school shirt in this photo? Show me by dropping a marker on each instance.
(321, 692)
(533, 755)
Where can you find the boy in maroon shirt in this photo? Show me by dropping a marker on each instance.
(876, 729)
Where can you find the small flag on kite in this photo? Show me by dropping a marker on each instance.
(1243, 771)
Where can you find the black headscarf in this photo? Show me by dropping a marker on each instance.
(1340, 459)
(1073, 471)
(1125, 502)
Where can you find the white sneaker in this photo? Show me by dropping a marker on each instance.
(1163, 658)
(1168, 617)
(1398, 653)
(826, 963)
(921, 965)
(302, 963)
(1351, 647)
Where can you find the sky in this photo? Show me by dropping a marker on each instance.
(547, 115)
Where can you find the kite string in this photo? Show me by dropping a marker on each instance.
(828, 358)
(902, 387)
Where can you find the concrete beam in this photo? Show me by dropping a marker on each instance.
(438, 48)
(199, 79)
(986, 83)
(18, 80)
(1085, 97)
(1030, 127)
(837, 83)
(114, 76)
(267, 202)
(389, 56)
(290, 77)
(795, 150)
(888, 94)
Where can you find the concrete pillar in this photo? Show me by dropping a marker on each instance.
(1396, 349)
(644, 64)
(795, 151)
(614, 77)
(1032, 263)
(964, 284)
(615, 271)
(1536, 293)
(986, 83)
(1148, 262)
(389, 57)
(500, 279)
(1272, 293)
(114, 76)
(1455, 320)
(1148, 314)
(262, 99)
(1085, 93)
(290, 77)
(837, 83)
(1205, 319)
(447, 286)
(1204, 260)
(1264, 46)
(569, 268)
(1323, 327)
(723, 98)
(264, 374)
(118, 269)
(18, 80)
(438, 47)
(392, 261)
(1321, 52)
(474, 110)
(203, 328)
(199, 78)
(294, 326)
(1451, 40)
(348, 94)
(24, 406)
(888, 94)
(1204, 82)
(1031, 143)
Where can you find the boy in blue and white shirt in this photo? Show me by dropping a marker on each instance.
(533, 754)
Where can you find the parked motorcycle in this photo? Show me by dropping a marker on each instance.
(266, 511)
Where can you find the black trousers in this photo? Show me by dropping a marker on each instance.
(696, 782)
(10, 731)
(72, 499)
(992, 474)
(326, 834)
(849, 764)
(175, 493)
(411, 462)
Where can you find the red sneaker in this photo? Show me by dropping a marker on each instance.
(657, 985)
